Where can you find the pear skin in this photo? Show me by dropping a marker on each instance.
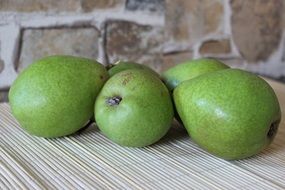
(231, 113)
(189, 70)
(55, 96)
(134, 108)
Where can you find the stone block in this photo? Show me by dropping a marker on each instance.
(57, 6)
(256, 27)
(172, 59)
(157, 6)
(215, 47)
(154, 61)
(90, 5)
(233, 62)
(128, 41)
(40, 5)
(188, 21)
(37, 43)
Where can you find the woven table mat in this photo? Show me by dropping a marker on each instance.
(88, 160)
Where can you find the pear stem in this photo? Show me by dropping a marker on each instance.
(111, 65)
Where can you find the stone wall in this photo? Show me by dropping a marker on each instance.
(159, 33)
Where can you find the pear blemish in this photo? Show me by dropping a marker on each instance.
(273, 129)
(114, 101)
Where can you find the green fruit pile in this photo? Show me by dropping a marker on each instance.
(230, 113)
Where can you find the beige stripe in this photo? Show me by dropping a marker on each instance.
(89, 160)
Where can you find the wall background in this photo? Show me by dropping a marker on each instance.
(159, 33)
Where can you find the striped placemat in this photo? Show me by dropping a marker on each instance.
(88, 160)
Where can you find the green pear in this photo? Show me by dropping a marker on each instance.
(55, 96)
(231, 113)
(134, 108)
(190, 69)
(122, 66)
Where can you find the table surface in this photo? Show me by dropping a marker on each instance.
(88, 160)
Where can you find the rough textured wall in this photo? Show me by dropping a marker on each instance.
(159, 33)
(245, 34)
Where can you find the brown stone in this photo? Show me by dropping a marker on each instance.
(38, 43)
(39, 5)
(129, 41)
(89, 5)
(188, 21)
(4, 96)
(233, 62)
(1, 65)
(153, 61)
(215, 47)
(154, 6)
(172, 59)
(256, 27)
